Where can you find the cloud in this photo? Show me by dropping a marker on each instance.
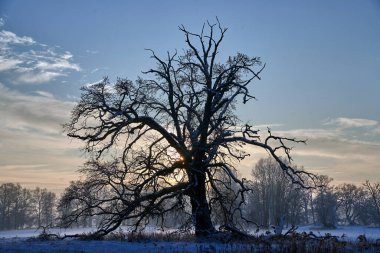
(347, 154)
(351, 122)
(2, 22)
(37, 77)
(93, 83)
(7, 64)
(347, 157)
(44, 94)
(53, 179)
(313, 133)
(57, 65)
(32, 143)
(7, 37)
(39, 113)
(91, 51)
(265, 126)
(94, 70)
(25, 61)
(344, 160)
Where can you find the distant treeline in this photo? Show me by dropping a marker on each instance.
(23, 208)
(273, 201)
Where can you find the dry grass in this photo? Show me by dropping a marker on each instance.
(228, 242)
(225, 242)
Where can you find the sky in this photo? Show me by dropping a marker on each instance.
(320, 82)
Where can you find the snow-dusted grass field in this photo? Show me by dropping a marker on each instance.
(349, 232)
(25, 241)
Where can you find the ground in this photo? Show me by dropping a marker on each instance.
(25, 241)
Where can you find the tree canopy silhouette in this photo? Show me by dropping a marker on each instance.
(167, 140)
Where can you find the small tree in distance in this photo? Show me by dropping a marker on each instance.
(170, 136)
(326, 203)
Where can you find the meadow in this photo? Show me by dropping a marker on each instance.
(307, 239)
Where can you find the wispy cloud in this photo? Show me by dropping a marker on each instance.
(265, 126)
(91, 51)
(37, 77)
(61, 62)
(25, 61)
(92, 83)
(9, 38)
(32, 142)
(7, 64)
(40, 113)
(351, 122)
(94, 70)
(44, 94)
(312, 133)
(340, 148)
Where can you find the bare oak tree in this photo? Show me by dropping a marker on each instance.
(165, 136)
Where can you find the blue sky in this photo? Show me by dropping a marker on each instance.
(321, 81)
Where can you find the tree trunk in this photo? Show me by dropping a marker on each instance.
(199, 205)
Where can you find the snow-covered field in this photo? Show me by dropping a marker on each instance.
(349, 232)
(24, 245)
(22, 241)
